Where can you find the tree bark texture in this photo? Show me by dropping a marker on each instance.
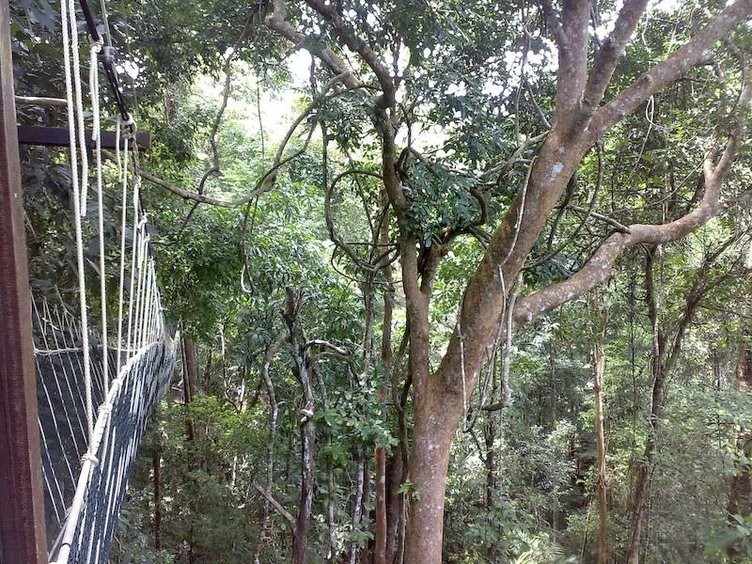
(190, 374)
(357, 509)
(271, 351)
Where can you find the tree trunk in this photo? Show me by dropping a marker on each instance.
(394, 505)
(156, 462)
(598, 360)
(305, 507)
(380, 514)
(302, 366)
(658, 373)
(740, 497)
(379, 550)
(489, 461)
(190, 378)
(273, 419)
(435, 424)
(357, 512)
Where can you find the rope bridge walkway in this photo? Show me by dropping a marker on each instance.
(101, 370)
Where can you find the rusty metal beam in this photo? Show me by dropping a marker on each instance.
(23, 537)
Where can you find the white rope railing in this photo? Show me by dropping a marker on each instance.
(96, 394)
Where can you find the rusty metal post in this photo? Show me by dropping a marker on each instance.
(23, 537)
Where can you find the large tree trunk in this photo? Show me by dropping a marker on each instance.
(435, 424)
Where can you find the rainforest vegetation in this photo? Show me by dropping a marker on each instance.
(456, 281)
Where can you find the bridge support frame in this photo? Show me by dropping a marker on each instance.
(23, 535)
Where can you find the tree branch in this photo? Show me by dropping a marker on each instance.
(356, 44)
(668, 71)
(600, 267)
(573, 57)
(277, 21)
(611, 51)
(281, 510)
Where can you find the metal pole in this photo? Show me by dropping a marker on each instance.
(23, 536)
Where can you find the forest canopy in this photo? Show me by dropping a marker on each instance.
(456, 281)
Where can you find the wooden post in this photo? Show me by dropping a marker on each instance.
(22, 525)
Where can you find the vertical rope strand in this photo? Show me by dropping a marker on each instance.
(70, 43)
(97, 139)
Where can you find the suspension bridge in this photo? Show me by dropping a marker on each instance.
(77, 380)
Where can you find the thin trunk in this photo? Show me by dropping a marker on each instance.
(599, 364)
(156, 462)
(641, 491)
(331, 485)
(489, 438)
(191, 369)
(393, 505)
(302, 367)
(305, 506)
(208, 388)
(190, 378)
(330, 517)
(379, 551)
(357, 513)
(381, 515)
(264, 531)
(365, 514)
(740, 497)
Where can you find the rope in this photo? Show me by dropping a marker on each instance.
(73, 80)
(97, 139)
(95, 398)
(108, 55)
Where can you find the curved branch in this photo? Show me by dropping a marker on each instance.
(668, 71)
(600, 267)
(336, 239)
(348, 37)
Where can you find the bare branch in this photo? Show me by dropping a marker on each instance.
(281, 510)
(40, 101)
(277, 21)
(356, 44)
(604, 218)
(186, 194)
(326, 345)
